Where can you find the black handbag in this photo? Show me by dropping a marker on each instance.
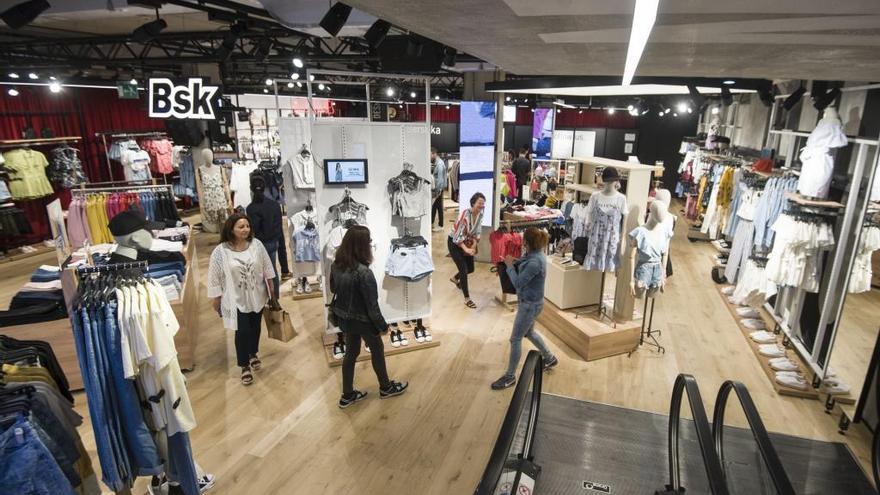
(579, 252)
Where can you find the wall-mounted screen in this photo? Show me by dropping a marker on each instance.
(509, 113)
(345, 171)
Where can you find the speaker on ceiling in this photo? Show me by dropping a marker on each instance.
(22, 14)
(335, 18)
(410, 53)
(377, 33)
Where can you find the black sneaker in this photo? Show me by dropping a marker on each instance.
(354, 397)
(402, 338)
(550, 363)
(395, 340)
(419, 335)
(503, 382)
(393, 389)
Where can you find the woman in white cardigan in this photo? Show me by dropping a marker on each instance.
(240, 284)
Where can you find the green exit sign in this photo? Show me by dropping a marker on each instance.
(127, 91)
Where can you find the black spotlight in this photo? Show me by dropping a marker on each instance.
(726, 97)
(22, 14)
(449, 56)
(794, 98)
(228, 45)
(697, 99)
(335, 18)
(821, 102)
(765, 93)
(148, 31)
(261, 51)
(377, 33)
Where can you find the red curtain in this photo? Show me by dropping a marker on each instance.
(79, 112)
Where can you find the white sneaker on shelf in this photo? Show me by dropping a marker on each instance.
(789, 373)
(792, 382)
(771, 350)
(830, 373)
(308, 288)
(299, 288)
(753, 323)
(728, 291)
(783, 364)
(839, 388)
(763, 337)
(748, 312)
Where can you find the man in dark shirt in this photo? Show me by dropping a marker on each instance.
(521, 169)
(265, 216)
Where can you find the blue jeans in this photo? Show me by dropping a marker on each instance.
(272, 249)
(85, 354)
(27, 466)
(181, 468)
(139, 442)
(524, 326)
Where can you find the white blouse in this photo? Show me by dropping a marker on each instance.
(239, 279)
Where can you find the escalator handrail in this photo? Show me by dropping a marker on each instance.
(685, 383)
(531, 372)
(765, 446)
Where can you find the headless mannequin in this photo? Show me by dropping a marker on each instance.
(128, 245)
(831, 114)
(609, 190)
(658, 226)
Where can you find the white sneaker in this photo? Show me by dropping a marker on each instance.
(308, 288)
(792, 382)
(299, 288)
(783, 364)
(728, 291)
(748, 312)
(206, 482)
(771, 350)
(437, 229)
(763, 337)
(753, 323)
(790, 373)
(830, 373)
(834, 389)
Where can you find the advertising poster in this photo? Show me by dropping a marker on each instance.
(477, 140)
(542, 132)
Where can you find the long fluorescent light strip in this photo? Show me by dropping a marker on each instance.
(644, 16)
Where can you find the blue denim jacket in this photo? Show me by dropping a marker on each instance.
(527, 275)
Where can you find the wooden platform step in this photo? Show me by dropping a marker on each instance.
(589, 337)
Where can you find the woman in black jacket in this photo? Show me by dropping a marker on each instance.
(356, 307)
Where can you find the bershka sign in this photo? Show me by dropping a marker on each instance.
(194, 100)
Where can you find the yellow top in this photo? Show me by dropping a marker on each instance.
(27, 174)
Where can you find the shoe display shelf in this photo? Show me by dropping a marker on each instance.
(408, 332)
(315, 286)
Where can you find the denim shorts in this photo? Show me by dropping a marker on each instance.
(649, 274)
(409, 263)
(26, 466)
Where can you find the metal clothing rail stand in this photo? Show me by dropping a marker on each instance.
(648, 334)
(123, 134)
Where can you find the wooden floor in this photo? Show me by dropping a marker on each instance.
(285, 435)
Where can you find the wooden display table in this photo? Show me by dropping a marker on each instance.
(570, 286)
(590, 338)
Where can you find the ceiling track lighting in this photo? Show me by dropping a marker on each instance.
(697, 99)
(644, 16)
(377, 33)
(12, 92)
(19, 16)
(298, 63)
(335, 18)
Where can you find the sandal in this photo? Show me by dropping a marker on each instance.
(247, 377)
(456, 282)
(470, 304)
(255, 363)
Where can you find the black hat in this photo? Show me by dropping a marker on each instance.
(130, 221)
(610, 175)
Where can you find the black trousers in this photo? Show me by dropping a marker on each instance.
(353, 350)
(437, 209)
(247, 337)
(464, 263)
(282, 255)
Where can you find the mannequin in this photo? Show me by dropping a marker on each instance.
(131, 230)
(606, 210)
(214, 193)
(129, 245)
(651, 243)
(816, 157)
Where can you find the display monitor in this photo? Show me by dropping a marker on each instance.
(345, 171)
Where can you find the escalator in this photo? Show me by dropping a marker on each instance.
(557, 445)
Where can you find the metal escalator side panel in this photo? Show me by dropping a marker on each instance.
(685, 383)
(765, 446)
(531, 372)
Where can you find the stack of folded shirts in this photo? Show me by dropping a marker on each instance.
(38, 301)
(763, 337)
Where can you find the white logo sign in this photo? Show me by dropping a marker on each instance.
(193, 101)
(435, 130)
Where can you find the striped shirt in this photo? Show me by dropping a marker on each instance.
(464, 230)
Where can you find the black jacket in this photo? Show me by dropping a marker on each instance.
(265, 216)
(521, 168)
(357, 297)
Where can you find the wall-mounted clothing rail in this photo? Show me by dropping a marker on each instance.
(121, 188)
(21, 143)
(123, 134)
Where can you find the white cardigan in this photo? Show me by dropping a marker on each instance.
(220, 270)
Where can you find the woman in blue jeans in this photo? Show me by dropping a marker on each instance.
(527, 274)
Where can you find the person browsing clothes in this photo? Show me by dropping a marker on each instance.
(462, 243)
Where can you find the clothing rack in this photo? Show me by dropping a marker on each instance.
(19, 143)
(648, 334)
(127, 265)
(121, 188)
(123, 134)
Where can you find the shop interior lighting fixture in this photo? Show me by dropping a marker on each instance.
(580, 111)
(311, 77)
(611, 111)
(690, 110)
(55, 87)
(12, 92)
(321, 87)
(412, 94)
(507, 98)
(675, 114)
(630, 108)
(13, 75)
(33, 76)
(389, 91)
(681, 107)
(730, 82)
(133, 81)
(644, 16)
(646, 111)
(661, 114)
(266, 90)
(294, 76)
(269, 82)
(436, 97)
(147, 31)
(299, 84)
(290, 85)
(715, 110)
(298, 63)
